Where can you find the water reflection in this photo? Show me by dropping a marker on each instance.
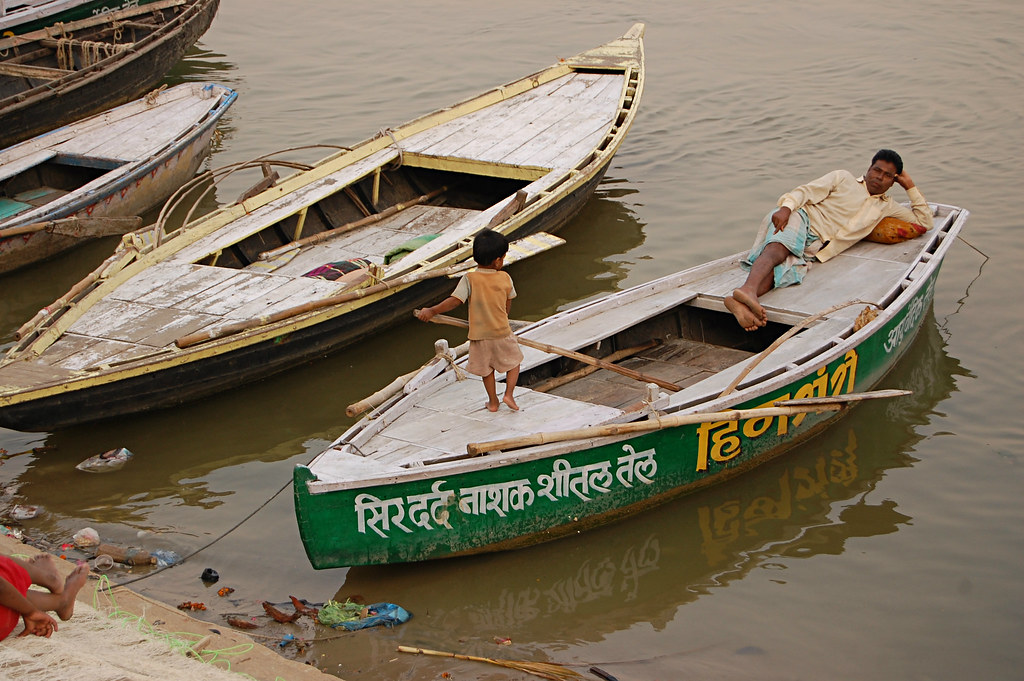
(200, 64)
(811, 501)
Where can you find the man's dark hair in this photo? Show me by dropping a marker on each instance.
(889, 156)
(488, 246)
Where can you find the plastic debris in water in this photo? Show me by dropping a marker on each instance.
(285, 640)
(106, 462)
(165, 557)
(86, 537)
(8, 531)
(20, 512)
(209, 576)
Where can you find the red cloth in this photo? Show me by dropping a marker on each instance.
(17, 576)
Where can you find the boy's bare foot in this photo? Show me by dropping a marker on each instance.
(742, 313)
(507, 399)
(752, 302)
(72, 585)
(492, 406)
(43, 572)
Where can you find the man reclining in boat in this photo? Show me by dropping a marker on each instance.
(820, 220)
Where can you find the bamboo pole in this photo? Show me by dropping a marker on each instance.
(571, 354)
(791, 408)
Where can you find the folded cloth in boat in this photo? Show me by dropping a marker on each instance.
(893, 230)
(334, 270)
(409, 246)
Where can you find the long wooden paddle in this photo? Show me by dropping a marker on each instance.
(83, 227)
(572, 354)
(518, 250)
(788, 408)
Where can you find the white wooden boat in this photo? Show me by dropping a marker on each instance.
(431, 473)
(226, 299)
(59, 190)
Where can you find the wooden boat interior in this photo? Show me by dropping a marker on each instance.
(678, 330)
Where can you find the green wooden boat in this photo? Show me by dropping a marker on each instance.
(430, 473)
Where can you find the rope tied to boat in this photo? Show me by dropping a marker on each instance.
(449, 357)
(401, 158)
(153, 95)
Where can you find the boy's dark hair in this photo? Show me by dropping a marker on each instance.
(889, 156)
(488, 246)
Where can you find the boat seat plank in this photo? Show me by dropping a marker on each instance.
(565, 128)
(563, 122)
(446, 138)
(9, 167)
(281, 208)
(476, 123)
(586, 329)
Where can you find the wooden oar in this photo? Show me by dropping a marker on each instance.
(90, 227)
(571, 354)
(523, 248)
(812, 405)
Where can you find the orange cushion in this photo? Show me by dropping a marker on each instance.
(894, 230)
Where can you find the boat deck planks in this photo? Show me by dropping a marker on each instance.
(491, 134)
(110, 144)
(444, 422)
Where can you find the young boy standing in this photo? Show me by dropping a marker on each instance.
(489, 291)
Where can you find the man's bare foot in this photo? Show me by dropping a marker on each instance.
(742, 313)
(492, 406)
(72, 585)
(43, 572)
(507, 399)
(751, 302)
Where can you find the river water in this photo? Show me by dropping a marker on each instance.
(890, 547)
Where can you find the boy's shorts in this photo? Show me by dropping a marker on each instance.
(19, 579)
(493, 354)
